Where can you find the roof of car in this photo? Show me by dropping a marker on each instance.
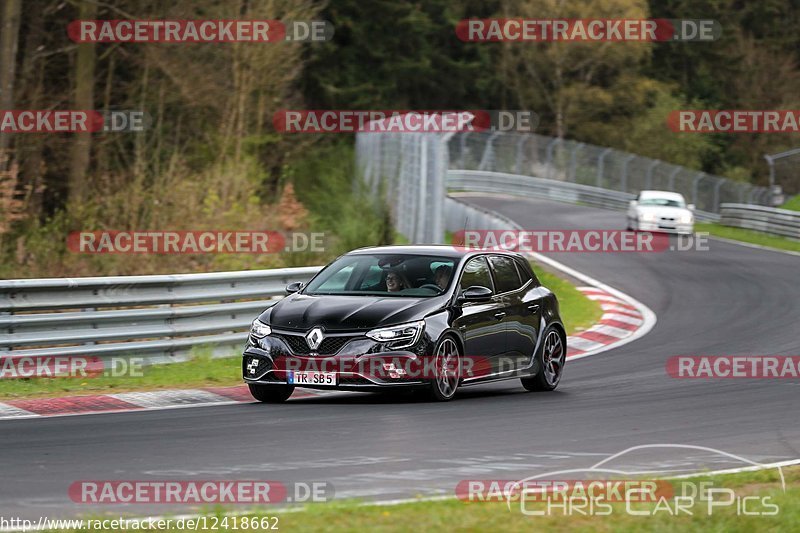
(668, 195)
(444, 250)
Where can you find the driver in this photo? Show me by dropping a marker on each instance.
(394, 283)
(442, 276)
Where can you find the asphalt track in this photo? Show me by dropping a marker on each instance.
(727, 300)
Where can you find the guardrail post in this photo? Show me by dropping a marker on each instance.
(624, 183)
(649, 176)
(671, 182)
(9, 330)
(518, 161)
(94, 324)
(573, 162)
(420, 224)
(549, 162)
(600, 166)
(462, 143)
(488, 152)
(720, 183)
(695, 184)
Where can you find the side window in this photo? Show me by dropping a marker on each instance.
(524, 276)
(505, 273)
(476, 272)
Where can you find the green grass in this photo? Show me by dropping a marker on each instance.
(749, 236)
(455, 515)
(199, 372)
(577, 311)
(793, 203)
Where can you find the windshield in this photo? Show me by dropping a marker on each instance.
(667, 202)
(401, 275)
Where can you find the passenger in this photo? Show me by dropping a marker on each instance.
(442, 276)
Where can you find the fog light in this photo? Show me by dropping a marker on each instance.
(394, 371)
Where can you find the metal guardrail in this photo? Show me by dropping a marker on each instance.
(410, 171)
(461, 216)
(769, 220)
(159, 317)
(564, 191)
(598, 166)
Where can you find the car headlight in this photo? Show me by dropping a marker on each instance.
(647, 217)
(259, 330)
(686, 219)
(400, 336)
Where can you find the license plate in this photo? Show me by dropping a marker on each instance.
(311, 378)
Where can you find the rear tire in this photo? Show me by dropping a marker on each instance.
(270, 393)
(551, 363)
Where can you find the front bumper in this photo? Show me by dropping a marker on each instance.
(361, 364)
(666, 227)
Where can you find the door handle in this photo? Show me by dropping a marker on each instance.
(499, 315)
(533, 308)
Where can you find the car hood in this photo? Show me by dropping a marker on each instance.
(303, 312)
(663, 211)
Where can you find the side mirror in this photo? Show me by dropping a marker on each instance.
(476, 293)
(294, 287)
(691, 207)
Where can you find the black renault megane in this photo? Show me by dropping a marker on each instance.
(430, 318)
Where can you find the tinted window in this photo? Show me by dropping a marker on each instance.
(505, 274)
(523, 273)
(366, 275)
(476, 272)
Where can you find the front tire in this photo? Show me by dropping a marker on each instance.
(270, 393)
(551, 363)
(446, 369)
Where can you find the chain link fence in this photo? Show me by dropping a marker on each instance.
(411, 171)
(408, 171)
(784, 171)
(585, 164)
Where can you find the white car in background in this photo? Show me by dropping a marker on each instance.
(661, 211)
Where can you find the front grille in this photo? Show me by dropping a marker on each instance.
(329, 346)
(263, 365)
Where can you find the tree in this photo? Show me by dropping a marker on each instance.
(8, 62)
(83, 99)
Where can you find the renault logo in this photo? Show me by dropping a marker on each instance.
(314, 338)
